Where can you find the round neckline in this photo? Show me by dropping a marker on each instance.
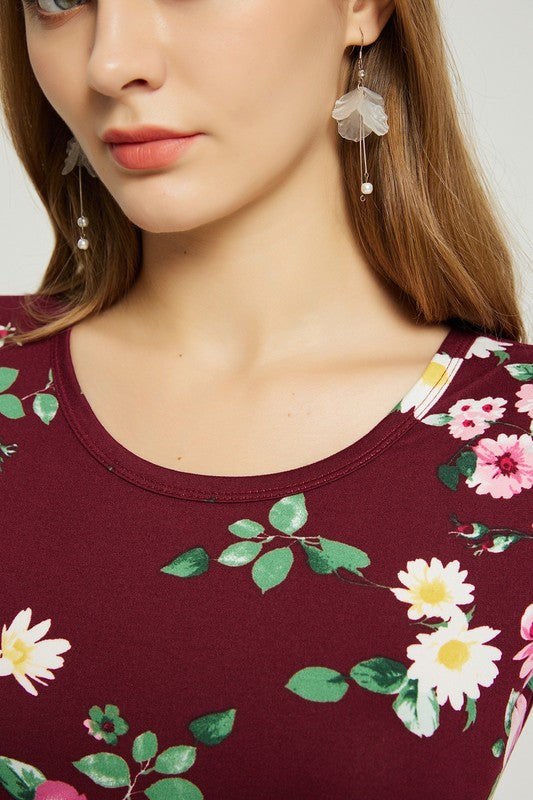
(153, 477)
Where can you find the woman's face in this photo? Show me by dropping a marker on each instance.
(257, 78)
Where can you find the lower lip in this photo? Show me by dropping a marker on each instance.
(151, 155)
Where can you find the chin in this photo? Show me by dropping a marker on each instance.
(179, 214)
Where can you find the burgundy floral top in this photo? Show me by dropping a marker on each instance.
(358, 627)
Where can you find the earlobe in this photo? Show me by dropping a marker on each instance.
(370, 16)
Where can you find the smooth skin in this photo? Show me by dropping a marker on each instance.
(257, 338)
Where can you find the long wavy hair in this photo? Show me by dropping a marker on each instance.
(431, 232)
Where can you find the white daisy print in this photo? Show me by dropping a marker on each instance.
(433, 590)
(431, 385)
(483, 346)
(454, 660)
(24, 657)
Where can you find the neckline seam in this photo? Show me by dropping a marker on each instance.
(117, 467)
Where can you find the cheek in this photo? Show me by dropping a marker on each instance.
(61, 86)
(275, 68)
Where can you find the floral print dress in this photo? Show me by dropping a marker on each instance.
(359, 627)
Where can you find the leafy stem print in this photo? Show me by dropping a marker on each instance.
(110, 771)
(45, 405)
(287, 516)
(497, 540)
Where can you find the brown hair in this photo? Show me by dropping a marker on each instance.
(429, 231)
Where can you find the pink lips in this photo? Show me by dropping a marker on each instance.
(151, 154)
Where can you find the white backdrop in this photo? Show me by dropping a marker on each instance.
(490, 44)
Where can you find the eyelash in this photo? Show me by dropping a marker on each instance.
(36, 11)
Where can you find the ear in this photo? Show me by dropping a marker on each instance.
(368, 16)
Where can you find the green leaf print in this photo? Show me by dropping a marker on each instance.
(521, 372)
(175, 760)
(502, 542)
(20, 780)
(212, 729)
(144, 746)
(318, 560)
(173, 789)
(418, 711)
(272, 568)
(513, 697)
(319, 684)
(45, 406)
(289, 514)
(187, 565)
(11, 407)
(8, 376)
(466, 463)
(246, 529)
(437, 419)
(471, 712)
(502, 356)
(498, 747)
(380, 675)
(344, 555)
(449, 476)
(105, 769)
(240, 553)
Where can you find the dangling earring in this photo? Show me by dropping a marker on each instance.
(76, 157)
(359, 113)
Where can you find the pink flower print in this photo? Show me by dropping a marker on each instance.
(89, 725)
(525, 402)
(504, 466)
(472, 417)
(526, 632)
(57, 790)
(518, 716)
(5, 332)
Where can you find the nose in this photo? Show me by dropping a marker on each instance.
(127, 48)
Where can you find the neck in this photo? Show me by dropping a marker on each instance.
(279, 278)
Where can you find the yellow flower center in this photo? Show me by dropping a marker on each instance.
(435, 374)
(454, 654)
(18, 651)
(433, 591)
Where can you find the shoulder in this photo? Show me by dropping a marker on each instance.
(490, 374)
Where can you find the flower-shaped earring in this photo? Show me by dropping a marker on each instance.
(76, 157)
(359, 113)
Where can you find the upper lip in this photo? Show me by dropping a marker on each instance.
(147, 133)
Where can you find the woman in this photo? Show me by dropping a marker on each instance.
(266, 422)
